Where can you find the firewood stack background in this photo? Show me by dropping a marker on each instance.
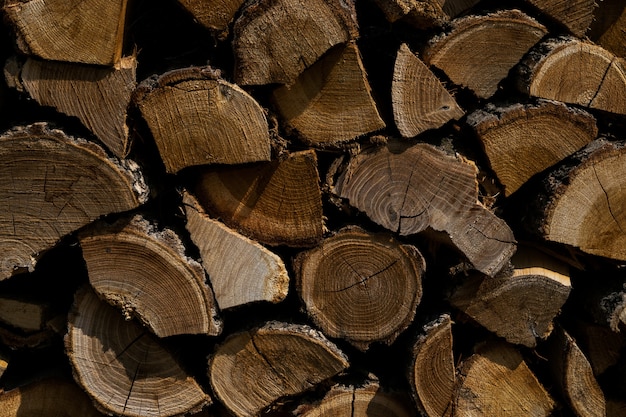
(320, 207)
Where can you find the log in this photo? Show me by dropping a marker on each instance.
(601, 345)
(410, 188)
(54, 397)
(61, 198)
(530, 297)
(479, 51)
(574, 376)
(144, 272)
(26, 315)
(98, 97)
(330, 102)
(369, 399)
(252, 369)
(123, 367)
(276, 203)
(88, 31)
(607, 29)
(574, 71)
(432, 372)
(575, 16)
(579, 203)
(4, 363)
(419, 13)
(288, 37)
(214, 15)
(540, 134)
(361, 287)
(420, 102)
(230, 127)
(454, 8)
(241, 271)
(496, 381)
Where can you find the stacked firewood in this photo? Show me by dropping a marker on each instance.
(307, 208)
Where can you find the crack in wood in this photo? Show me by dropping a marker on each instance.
(606, 196)
(363, 280)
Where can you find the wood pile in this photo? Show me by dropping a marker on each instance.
(313, 207)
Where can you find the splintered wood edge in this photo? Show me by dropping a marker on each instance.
(86, 363)
(133, 191)
(258, 395)
(432, 374)
(493, 127)
(137, 295)
(419, 100)
(227, 280)
(243, 122)
(468, 74)
(397, 317)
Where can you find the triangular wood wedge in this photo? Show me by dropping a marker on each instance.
(123, 367)
(432, 373)
(369, 399)
(574, 376)
(582, 202)
(360, 286)
(274, 41)
(198, 118)
(495, 381)
(607, 29)
(144, 272)
(215, 15)
(540, 134)
(575, 71)
(241, 270)
(411, 188)
(88, 31)
(330, 102)
(47, 397)
(253, 369)
(276, 203)
(575, 15)
(420, 102)
(421, 13)
(530, 297)
(98, 97)
(480, 51)
(42, 200)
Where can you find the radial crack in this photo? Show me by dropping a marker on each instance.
(608, 202)
(367, 278)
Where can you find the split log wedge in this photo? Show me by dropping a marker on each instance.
(25, 315)
(253, 369)
(601, 345)
(454, 8)
(198, 118)
(582, 202)
(241, 271)
(574, 376)
(123, 367)
(608, 27)
(520, 306)
(274, 41)
(360, 286)
(52, 397)
(330, 102)
(574, 71)
(145, 273)
(420, 102)
(276, 203)
(420, 13)
(98, 97)
(215, 15)
(496, 382)
(41, 200)
(540, 134)
(410, 188)
(83, 31)
(368, 400)
(480, 51)
(432, 373)
(575, 15)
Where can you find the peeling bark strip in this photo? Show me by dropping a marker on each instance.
(360, 286)
(408, 189)
(61, 198)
